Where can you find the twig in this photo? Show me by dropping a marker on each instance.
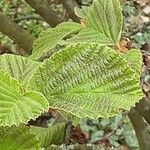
(30, 17)
(116, 128)
(45, 11)
(124, 114)
(20, 36)
(141, 129)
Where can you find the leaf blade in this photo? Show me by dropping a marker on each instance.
(16, 106)
(89, 35)
(54, 134)
(49, 39)
(18, 138)
(18, 67)
(88, 80)
(105, 16)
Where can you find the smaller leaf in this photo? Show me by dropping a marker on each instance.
(48, 39)
(18, 138)
(89, 35)
(16, 106)
(82, 12)
(105, 16)
(18, 67)
(51, 135)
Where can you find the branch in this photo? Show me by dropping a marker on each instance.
(45, 11)
(143, 108)
(16, 33)
(141, 129)
(69, 5)
(27, 18)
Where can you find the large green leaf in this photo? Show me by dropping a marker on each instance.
(48, 39)
(51, 135)
(88, 80)
(18, 138)
(105, 16)
(17, 106)
(18, 67)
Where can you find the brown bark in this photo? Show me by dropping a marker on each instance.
(143, 108)
(44, 9)
(69, 5)
(16, 33)
(141, 129)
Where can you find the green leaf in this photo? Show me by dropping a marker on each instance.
(48, 39)
(134, 57)
(17, 106)
(51, 135)
(89, 35)
(18, 67)
(81, 12)
(18, 138)
(88, 80)
(105, 16)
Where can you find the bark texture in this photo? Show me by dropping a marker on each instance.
(142, 130)
(69, 5)
(16, 33)
(44, 10)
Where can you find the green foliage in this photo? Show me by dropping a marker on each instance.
(50, 38)
(18, 138)
(105, 16)
(89, 35)
(17, 106)
(88, 80)
(18, 67)
(52, 135)
(103, 25)
(134, 58)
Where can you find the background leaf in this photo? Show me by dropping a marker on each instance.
(88, 80)
(16, 106)
(18, 67)
(54, 134)
(105, 16)
(89, 35)
(18, 138)
(49, 39)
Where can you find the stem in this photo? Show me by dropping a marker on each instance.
(16, 33)
(141, 129)
(35, 17)
(143, 108)
(45, 11)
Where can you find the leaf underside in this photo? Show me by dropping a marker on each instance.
(88, 80)
(17, 106)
